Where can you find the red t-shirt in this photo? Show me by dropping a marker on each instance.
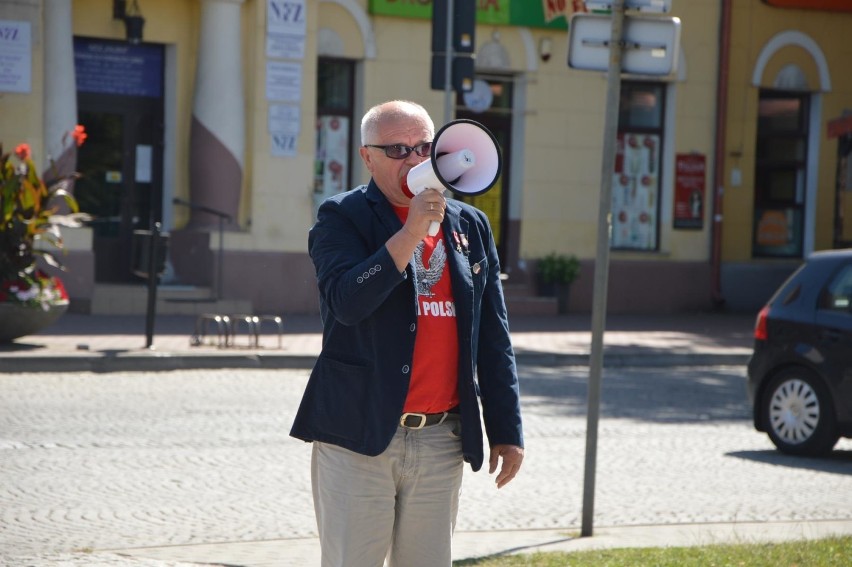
(434, 374)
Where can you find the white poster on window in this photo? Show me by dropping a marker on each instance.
(635, 191)
(144, 154)
(16, 57)
(283, 81)
(286, 28)
(332, 159)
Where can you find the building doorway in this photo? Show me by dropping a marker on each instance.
(120, 103)
(780, 174)
(490, 104)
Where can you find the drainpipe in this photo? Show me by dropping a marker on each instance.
(719, 159)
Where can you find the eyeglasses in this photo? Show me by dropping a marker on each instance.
(401, 151)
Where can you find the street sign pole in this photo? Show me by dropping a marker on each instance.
(613, 93)
(448, 65)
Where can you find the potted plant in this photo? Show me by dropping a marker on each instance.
(31, 299)
(556, 273)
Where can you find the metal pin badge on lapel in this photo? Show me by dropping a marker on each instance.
(476, 268)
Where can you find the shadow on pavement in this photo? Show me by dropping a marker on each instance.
(838, 462)
(512, 550)
(658, 395)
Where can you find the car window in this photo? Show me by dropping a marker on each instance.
(838, 292)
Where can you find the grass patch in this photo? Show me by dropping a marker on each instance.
(829, 552)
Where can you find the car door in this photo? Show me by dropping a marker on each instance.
(834, 328)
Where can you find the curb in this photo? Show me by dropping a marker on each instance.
(164, 362)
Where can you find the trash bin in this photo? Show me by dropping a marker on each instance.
(141, 250)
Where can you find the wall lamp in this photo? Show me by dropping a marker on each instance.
(545, 49)
(132, 16)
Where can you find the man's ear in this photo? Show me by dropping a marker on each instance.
(366, 158)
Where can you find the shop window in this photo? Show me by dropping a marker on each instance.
(636, 184)
(779, 175)
(335, 88)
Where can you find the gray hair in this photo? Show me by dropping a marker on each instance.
(390, 111)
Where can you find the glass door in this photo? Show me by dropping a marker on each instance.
(121, 176)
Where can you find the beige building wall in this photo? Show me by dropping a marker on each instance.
(21, 114)
(556, 149)
(765, 43)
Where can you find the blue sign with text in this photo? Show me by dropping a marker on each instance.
(119, 68)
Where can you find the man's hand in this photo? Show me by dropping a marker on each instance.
(512, 458)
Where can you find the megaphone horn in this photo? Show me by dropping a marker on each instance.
(465, 159)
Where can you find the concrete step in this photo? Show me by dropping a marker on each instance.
(131, 299)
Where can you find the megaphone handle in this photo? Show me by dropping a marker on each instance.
(434, 228)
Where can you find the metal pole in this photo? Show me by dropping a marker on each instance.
(613, 93)
(221, 260)
(153, 279)
(448, 65)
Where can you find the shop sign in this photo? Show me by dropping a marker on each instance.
(690, 173)
(839, 127)
(118, 67)
(551, 14)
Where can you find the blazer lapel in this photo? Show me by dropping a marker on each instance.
(455, 235)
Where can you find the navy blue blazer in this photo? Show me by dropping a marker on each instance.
(356, 391)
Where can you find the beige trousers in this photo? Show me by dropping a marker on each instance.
(398, 507)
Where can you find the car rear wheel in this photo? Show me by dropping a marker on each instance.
(798, 415)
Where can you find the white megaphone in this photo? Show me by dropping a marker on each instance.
(465, 159)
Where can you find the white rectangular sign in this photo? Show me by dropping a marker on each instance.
(16, 57)
(659, 6)
(284, 118)
(283, 81)
(650, 45)
(286, 29)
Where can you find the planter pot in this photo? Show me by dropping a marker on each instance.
(562, 297)
(545, 289)
(20, 320)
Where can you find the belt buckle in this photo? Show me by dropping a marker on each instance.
(422, 417)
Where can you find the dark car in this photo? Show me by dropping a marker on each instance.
(800, 373)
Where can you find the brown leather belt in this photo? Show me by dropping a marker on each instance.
(411, 420)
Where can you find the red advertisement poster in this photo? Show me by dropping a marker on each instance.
(690, 174)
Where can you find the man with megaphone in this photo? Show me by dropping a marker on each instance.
(415, 338)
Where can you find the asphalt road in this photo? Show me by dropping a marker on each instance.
(140, 459)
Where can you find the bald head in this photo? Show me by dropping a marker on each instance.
(395, 111)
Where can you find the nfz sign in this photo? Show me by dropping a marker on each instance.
(16, 57)
(286, 16)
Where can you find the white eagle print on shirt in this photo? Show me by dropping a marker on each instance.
(426, 278)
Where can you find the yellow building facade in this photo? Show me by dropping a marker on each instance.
(228, 122)
(783, 171)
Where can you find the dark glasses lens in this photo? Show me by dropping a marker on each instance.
(401, 151)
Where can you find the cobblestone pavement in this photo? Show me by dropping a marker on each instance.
(95, 462)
